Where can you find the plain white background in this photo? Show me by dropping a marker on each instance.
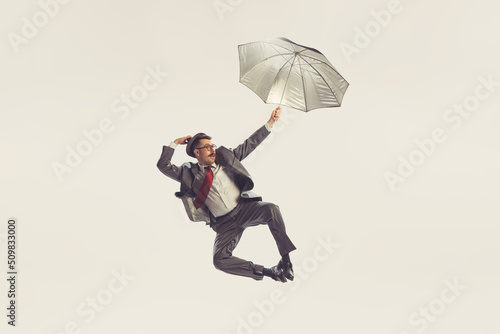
(326, 169)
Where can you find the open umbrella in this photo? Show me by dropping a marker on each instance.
(283, 72)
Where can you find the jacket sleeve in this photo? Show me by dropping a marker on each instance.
(165, 165)
(247, 147)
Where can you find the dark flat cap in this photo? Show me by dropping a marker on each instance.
(189, 148)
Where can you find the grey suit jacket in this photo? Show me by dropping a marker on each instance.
(188, 174)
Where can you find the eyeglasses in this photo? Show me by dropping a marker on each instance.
(208, 147)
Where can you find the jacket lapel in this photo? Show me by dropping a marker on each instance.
(241, 175)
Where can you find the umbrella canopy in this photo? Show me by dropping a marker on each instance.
(283, 72)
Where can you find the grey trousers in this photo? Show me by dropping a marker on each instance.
(230, 227)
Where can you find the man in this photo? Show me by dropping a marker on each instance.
(217, 190)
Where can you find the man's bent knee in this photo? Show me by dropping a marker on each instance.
(219, 261)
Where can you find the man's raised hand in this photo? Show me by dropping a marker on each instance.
(275, 116)
(183, 140)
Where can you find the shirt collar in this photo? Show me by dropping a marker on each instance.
(214, 165)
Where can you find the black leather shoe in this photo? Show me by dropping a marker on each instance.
(277, 274)
(287, 269)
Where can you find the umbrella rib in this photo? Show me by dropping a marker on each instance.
(260, 62)
(287, 60)
(286, 83)
(335, 95)
(281, 54)
(325, 63)
(268, 42)
(303, 87)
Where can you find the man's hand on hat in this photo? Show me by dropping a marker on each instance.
(183, 140)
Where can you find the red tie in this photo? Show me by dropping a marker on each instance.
(205, 188)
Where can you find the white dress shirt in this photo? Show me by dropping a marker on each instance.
(224, 193)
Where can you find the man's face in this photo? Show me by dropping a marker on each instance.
(205, 157)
